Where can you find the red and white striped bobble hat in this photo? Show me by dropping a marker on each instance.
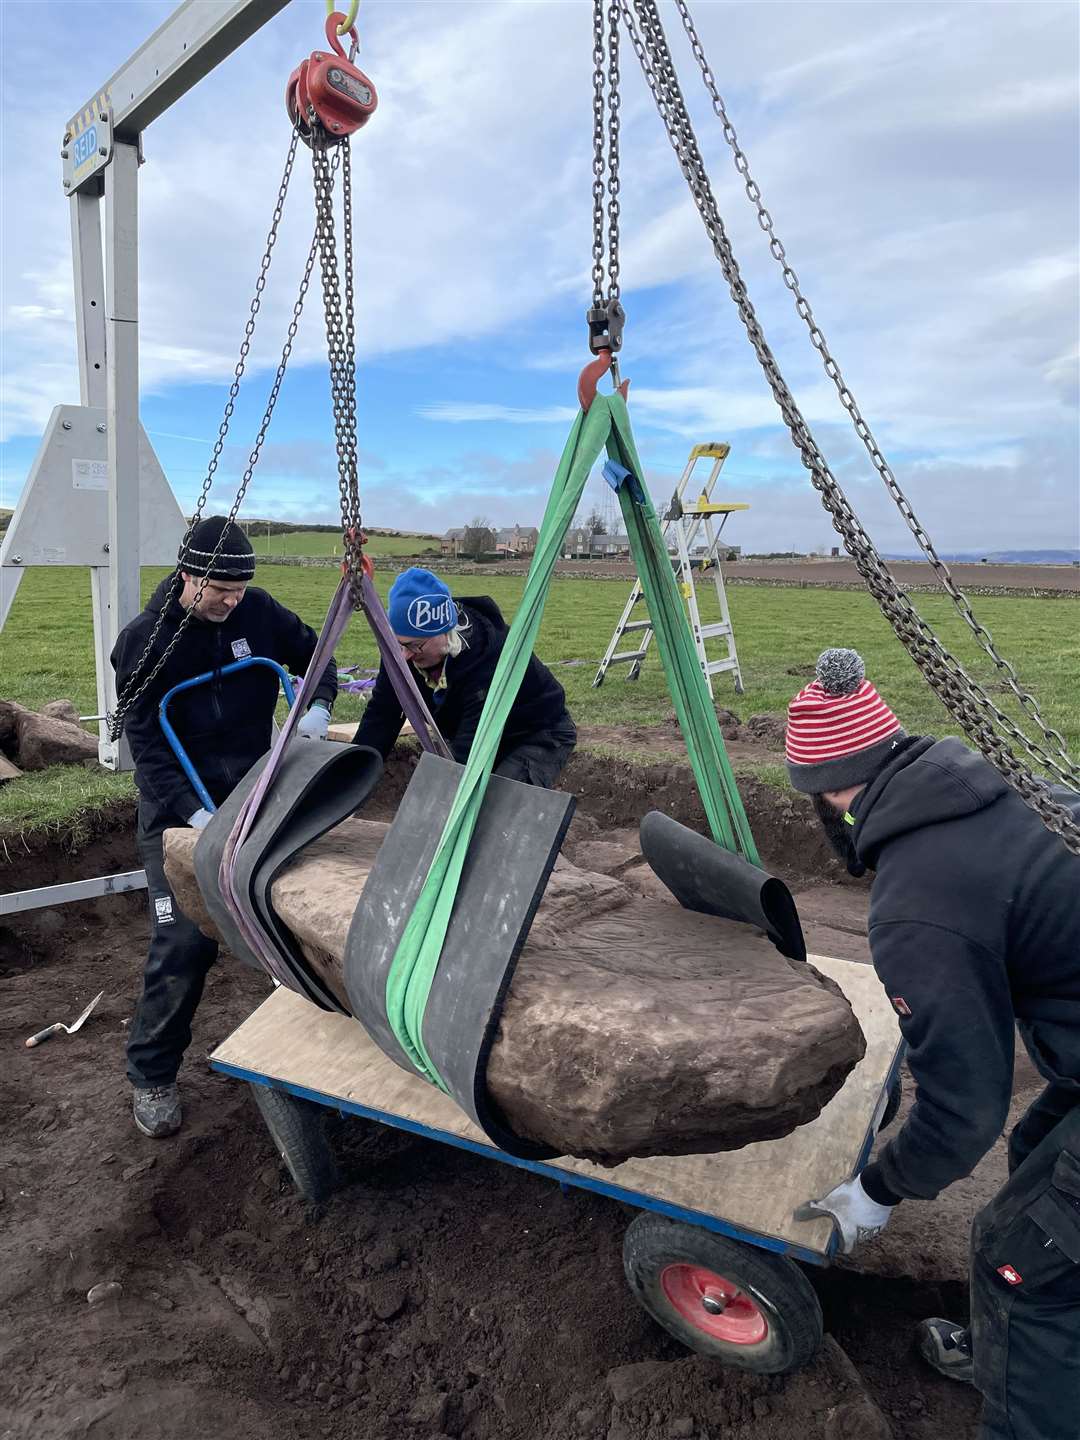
(840, 732)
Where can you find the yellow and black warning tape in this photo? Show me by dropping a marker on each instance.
(90, 113)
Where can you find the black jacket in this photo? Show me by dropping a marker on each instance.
(974, 927)
(224, 725)
(539, 709)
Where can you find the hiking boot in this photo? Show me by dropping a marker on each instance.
(947, 1347)
(157, 1111)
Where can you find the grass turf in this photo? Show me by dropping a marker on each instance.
(46, 653)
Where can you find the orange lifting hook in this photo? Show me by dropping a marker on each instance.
(590, 377)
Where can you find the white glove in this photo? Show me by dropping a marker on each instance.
(200, 819)
(852, 1211)
(315, 724)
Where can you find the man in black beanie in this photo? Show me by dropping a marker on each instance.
(225, 725)
(974, 932)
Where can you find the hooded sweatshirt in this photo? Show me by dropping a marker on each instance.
(974, 928)
(224, 725)
(538, 712)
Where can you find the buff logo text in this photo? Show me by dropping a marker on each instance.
(431, 612)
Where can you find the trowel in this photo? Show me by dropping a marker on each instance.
(67, 1029)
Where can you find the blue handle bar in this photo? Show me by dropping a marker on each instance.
(174, 739)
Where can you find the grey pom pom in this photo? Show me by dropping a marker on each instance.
(840, 672)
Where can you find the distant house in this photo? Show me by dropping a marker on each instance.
(520, 540)
(453, 542)
(582, 544)
(725, 552)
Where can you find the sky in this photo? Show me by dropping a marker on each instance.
(920, 162)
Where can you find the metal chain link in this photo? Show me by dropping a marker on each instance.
(131, 695)
(966, 700)
(340, 342)
(599, 164)
(862, 429)
(614, 100)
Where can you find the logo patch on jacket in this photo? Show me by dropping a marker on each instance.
(1008, 1274)
(241, 650)
(163, 910)
(900, 1005)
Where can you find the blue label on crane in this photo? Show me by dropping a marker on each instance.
(85, 146)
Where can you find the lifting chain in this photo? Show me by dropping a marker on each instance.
(340, 340)
(966, 700)
(1064, 767)
(133, 691)
(606, 317)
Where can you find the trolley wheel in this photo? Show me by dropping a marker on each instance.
(747, 1307)
(892, 1105)
(296, 1128)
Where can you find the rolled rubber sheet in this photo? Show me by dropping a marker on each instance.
(515, 843)
(704, 877)
(317, 785)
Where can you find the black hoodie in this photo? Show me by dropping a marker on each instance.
(224, 725)
(539, 709)
(974, 927)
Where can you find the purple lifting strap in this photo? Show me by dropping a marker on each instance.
(411, 701)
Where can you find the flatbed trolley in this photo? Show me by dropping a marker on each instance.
(711, 1256)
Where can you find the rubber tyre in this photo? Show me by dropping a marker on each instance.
(656, 1249)
(296, 1128)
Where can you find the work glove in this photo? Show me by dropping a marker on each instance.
(850, 1208)
(200, 819)
(315, 724)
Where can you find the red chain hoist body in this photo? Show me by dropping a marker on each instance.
(340, 94)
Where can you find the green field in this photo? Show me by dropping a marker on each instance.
(46, 653)
(314, 542)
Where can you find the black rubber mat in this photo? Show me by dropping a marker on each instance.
(513, 850)
(705, 877)
(318, 785)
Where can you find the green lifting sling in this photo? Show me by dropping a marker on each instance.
(606, 424)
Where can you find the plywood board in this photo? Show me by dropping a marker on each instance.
(752, 1191)
(344, 730)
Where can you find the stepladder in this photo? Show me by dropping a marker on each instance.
(693, 526)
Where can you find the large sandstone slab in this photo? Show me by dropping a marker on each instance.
(632, 1027)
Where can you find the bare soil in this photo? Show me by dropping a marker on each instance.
(912, 575)
(438, 1294)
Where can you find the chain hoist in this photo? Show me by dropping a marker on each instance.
(965, 699)
(337, 99)
(331, 87)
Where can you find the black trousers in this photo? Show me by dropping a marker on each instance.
(1025, 1281)
(541, 759)
(173, 979)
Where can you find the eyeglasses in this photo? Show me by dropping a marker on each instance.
(413, 647)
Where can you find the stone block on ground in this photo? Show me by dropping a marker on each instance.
(631, 1027)
(61, 710)
(10, 710)
(42, 740)
(8, 771)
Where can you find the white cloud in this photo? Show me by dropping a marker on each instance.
(927, 200)
(459, 413)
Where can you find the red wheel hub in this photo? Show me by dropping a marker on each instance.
(713, 1304)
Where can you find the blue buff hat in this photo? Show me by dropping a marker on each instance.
(420, 605)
